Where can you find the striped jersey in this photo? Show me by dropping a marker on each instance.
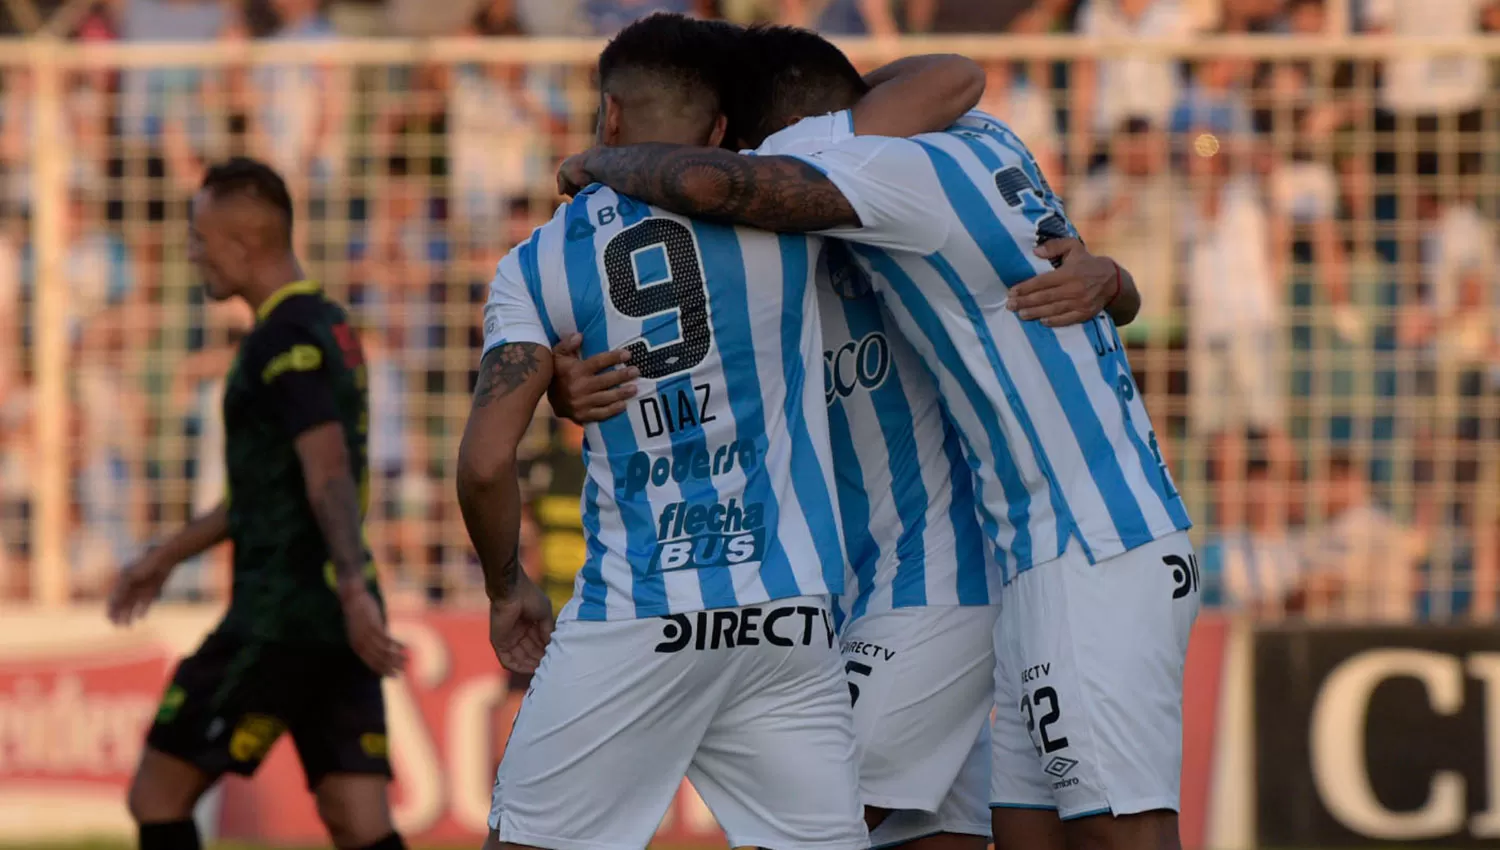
(1053, 426)
(715, 488)
(904, 491)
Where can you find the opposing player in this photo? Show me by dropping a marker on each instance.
(304, 643)
(1086, 526)
(699, 640)
(920, 602)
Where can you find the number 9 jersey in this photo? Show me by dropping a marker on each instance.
(715, 488)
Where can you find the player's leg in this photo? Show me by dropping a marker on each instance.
(777, 765)
(922, 682)
(338, 727)
(1105, 690)
(603, 739)
(1023, 812)
(210, 722)
(962, 821)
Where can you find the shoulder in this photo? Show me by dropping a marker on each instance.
(809, 135)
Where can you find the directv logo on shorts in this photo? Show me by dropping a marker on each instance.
(693, 536)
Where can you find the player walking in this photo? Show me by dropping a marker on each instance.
(1090, 645)
(699, 640)
(304, 643)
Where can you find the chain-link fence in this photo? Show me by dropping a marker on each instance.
(1319, 347)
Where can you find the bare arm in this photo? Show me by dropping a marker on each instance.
(513, 377)
(918, 94)
(198, 536)
(334, 497)
(776, 193)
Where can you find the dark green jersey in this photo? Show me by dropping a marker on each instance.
(299, 368)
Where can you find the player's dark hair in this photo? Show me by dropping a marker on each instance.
(687, 60)
(250, 178)
(790, 73)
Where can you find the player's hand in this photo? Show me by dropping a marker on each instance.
(590, 390)
(136, 588)
(520, 626)
(1070, 294)
(573, 175)
(368, 634)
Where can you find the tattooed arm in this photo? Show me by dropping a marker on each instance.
(768, 192)
(512, 379)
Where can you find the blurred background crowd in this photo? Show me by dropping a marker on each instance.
(1311, 225)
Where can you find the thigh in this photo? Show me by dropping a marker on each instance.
(1105, 687)
(1016, 780)
(777, 766)
(601, 742)
(223, 709)
(338, 724)
(923, 684)
(962, 817)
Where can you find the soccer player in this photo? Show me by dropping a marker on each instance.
(304, 643)
(699, 640)
(920, 602)
(1086, 526)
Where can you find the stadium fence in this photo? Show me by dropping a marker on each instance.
(1361, 369)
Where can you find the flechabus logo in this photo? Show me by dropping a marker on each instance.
(721, 534)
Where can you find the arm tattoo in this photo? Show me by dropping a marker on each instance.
(337, 509)
(778, 193)
(505, 368)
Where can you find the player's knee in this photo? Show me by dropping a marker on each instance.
(153, 799)
(356, 824)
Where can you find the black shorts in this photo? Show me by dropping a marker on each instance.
(230, 701)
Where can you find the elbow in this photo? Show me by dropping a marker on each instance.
(484, 471)
(968, 83)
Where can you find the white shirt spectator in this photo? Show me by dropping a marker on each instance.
(1425, 85)
(1135, 86)
(1304, 192)
(1375, 560)
(498, 153)
(1460, 243)
(1231, 285)
(1137, 211)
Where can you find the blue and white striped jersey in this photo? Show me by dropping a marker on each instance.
(1051, 421)
(715, 488)
(904, 490)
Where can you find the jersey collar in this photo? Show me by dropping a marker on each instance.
(300, 287)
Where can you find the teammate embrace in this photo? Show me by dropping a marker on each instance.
(974, 494)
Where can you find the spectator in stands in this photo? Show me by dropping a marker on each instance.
(151, 95)
(1108, 91)
(1234, 308)
(397, 456)
(1361, 565)
(1029, 112)
(16, 481)
(1251, 16)
(99, 268)
(302, 108)
(1124, 209)
(498, 142)
(1214, 101)
(1432, 96)
(231, 129)
(11, 307)
(875, 18)
(1253, 564)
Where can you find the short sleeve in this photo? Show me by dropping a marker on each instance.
(810, 135)
(887, 182)
(511, 313)
(291, 373)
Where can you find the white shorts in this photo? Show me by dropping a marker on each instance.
(1088, 682)
(923, 683)
(749, 703)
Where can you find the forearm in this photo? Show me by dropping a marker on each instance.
(491, 506)
(198, 536)
(766, 192)
(918, 94)
(1126, 304)
(335, 503)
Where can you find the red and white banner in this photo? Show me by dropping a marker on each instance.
(76, 697)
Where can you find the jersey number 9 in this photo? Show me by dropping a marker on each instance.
(663, 249)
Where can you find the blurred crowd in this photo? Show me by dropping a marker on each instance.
(1314, 240)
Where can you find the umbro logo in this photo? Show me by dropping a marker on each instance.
(1060, 766)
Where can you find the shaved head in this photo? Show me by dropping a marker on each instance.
(241, 221)
(660, 81)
